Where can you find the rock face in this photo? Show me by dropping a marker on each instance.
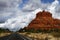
(44, 20)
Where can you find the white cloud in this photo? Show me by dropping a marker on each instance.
(34, 4)
(8, 8)
(54, 9)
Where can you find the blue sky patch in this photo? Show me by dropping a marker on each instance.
(47, 1)
(23, 2)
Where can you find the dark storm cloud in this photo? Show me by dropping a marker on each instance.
(3, 5)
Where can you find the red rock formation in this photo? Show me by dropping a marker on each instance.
(44, 20)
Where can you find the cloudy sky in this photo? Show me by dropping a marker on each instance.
(9, 8)
(16, 14)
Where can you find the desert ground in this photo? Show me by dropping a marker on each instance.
(42, 36)
(37, 36)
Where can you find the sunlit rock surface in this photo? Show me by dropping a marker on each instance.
(44, 20)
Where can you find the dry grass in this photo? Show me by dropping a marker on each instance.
(38, 36)
(4, 34)
(41, 36)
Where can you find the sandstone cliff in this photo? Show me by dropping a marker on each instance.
(44, 20)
